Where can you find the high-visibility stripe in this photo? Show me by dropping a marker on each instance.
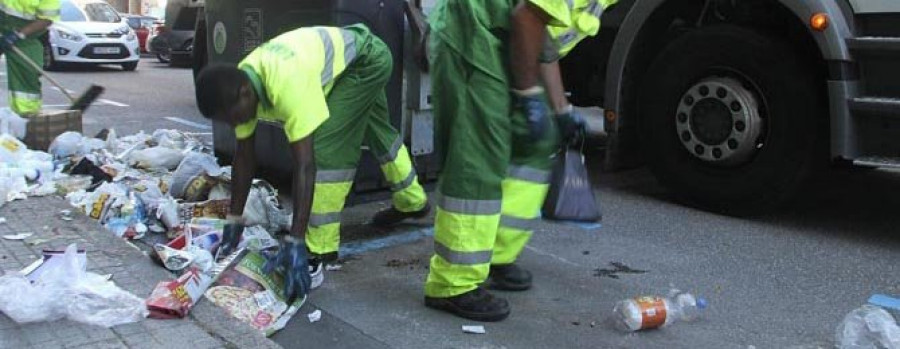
(405, 183)
(25, 95)
(335, 176)
(462, 258)
(13, 12)
(328, 71)
(468, 206)
(48, 13)
(571, 4)
(596, 9)
(529, 174)
(349, 46)
(392, 152)
(517, 223)
(320, 219)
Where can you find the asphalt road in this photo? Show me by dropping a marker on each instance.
(779, 281)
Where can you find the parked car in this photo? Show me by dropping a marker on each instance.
(157, 44)
(90, 32)
(141, 26)
(174, 42)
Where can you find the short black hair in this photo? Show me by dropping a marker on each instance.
(218, 87)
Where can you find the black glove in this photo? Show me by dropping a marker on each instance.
(291, 260)
(531, 103)
(571, 125)
(231, 236)
(9, 39)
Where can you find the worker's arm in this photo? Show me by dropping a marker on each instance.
(35, 27)
(304, 184)
(243, 170)
(556, 92)
(528, 22)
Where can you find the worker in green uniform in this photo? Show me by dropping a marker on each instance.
(326, 86)
(496, 136)
(21, 23)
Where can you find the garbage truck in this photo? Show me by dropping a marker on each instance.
(732, 104)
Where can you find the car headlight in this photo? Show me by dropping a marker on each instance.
(67, 35)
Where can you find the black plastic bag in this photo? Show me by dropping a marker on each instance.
(571, 196)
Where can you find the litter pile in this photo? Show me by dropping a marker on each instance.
(166, 192)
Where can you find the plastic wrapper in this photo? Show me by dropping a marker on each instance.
(195, 177)
(256, 238)
(11, 149)
(156, 158)
(254, 297)
(12, 124)
(97, 204)
(72, 183)
(65, 290)
(868, 327)
(71, 144)
(263, 208)
(207, 209)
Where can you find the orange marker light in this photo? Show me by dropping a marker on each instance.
(819, 22)
(610, 115)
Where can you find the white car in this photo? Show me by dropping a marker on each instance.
(90, 32)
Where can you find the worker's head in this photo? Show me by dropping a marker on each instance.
(224, 93)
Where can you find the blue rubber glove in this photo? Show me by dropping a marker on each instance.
(231, 236)
(571, 125)
(531, 103)
(9, 39)
(291, 260)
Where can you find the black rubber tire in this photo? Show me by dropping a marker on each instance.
(199, 54)
(130, 66)
(163, 57)
(790, 101)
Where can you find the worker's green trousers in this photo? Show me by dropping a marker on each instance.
(493, 180)
(23, 82)
(359, 116)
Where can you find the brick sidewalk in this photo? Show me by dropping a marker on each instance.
(207, 326)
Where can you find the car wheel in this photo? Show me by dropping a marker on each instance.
(731, 120)
(163, 57)
(49, 62)
(130, 66)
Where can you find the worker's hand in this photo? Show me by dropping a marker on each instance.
(292, 261)
(9, 39)
(231, 235)
(531, 103)
(571, 125)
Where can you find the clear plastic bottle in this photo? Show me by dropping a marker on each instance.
(648, 312)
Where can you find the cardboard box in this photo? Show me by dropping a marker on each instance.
(43, 128)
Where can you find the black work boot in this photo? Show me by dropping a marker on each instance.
(509, 277)
(477, 304)
(391, 215)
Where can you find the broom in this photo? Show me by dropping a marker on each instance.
(83, 101)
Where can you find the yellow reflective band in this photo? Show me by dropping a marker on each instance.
(14, 12)
(329, 197)
(405, 183)
(391, 155)
(529, 174)
(25, 95)
(334, 176)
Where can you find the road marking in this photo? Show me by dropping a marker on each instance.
(548, 254)
(101, 100)
(188, 123)
(358, 247)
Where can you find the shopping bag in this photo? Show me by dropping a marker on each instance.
(570, 196)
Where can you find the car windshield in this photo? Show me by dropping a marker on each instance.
(91, 12)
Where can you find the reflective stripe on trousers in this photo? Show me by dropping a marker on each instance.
(331, 188)
(524, 190)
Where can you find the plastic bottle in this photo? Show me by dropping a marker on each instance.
(648, 312)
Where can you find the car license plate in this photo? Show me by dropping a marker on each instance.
(106, 50)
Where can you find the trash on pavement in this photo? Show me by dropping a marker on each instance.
(314, 316)
(333, 267)
(866, 327)
(262, 208)
(570, 196)
(2, 220)
(73, 183)
(156, 158)
(196, 176)
(64, 289)
(21, 236)
(70, 144)
(173, 259)
(11, 123)
(649, 312)
(174, 299)
(474, 329)
(256, 238)
(254, 297)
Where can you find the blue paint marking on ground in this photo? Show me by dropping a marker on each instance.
(583, 225)
(358, 247)
(885, 301)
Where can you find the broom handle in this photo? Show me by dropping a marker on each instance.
(40, 72)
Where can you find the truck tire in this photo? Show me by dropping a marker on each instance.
(731, 120)
(198, 54)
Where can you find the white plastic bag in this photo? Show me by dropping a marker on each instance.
(65, 289)
(263, 209)
(72, 143)
(868, 327)
(156, 158)
(12, 124)
(195, 176)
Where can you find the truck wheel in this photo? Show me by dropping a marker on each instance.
(163, 57)
(198, 54)
(730, 120)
